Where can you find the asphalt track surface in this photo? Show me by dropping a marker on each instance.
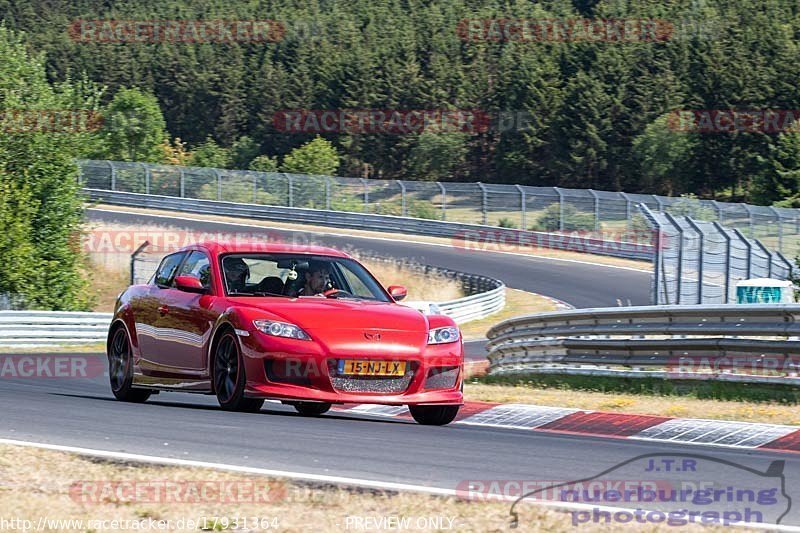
(82, 413)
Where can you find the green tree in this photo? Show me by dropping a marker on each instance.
(210, 154)
(264, 163)
(663, 156)
(134, 128)
(41, 209)
(317, 156)
(437, 156)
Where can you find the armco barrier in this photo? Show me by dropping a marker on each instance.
(467, 236)
(741, 343)
(47, 328)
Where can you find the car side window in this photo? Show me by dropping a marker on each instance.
(166, 270)
(197, 265)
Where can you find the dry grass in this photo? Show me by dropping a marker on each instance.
(533, 252)
(517, 303)
(673, 406)
(433, 287)
(36, 483)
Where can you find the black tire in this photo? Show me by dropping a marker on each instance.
(434, 415)
(312, 408)
(120, 369)
(229, 377)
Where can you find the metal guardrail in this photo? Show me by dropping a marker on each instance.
(463, 235)
(48, 328)
(741, 343)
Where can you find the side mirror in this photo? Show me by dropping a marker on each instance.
(189, 284)
(398, 292)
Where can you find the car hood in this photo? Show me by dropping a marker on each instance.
(317, 314)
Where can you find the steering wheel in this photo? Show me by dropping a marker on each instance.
(334, 292)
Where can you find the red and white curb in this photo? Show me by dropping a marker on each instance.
(692, 431)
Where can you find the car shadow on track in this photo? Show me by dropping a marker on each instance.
(332, 415)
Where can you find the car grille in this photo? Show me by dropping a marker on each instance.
(378, 384)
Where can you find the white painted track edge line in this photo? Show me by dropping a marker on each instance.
(385, 485)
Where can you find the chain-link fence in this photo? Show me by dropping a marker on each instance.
(699, 262)
(512, 206)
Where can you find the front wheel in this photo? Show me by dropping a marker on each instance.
(312, 408)
(120, 369)
(229, 377)
(434, 415)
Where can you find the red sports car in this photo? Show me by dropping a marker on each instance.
(308, 326)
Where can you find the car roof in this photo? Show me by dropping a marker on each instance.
(226, 247)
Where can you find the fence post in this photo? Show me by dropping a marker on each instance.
(751, 224)
(679, 277)
(628, 214)
(134, 255)
(596, 209)
(780, 228)
(727, 238)
(146, 178)
(659, 203)
(402, 197)
(719, 211)
(658, 257)
(749, 247)
(701, 257)
(366, 194)
(769, 256)
(219, 183)
(560, 208)
(328, 193)
(183, 183)
(289, 189)
(483, 201)
(523, 207)
(255, 187)
(786, 262)
(443, 189)
(113, 176)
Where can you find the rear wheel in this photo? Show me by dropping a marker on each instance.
(229, 377)
(434, 415)
(312, 408)
(120, 369)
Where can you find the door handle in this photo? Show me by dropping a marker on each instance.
(163, 309)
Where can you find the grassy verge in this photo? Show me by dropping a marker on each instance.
(517, 303)
(60, 486)
(718, 401)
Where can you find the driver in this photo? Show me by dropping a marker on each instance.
(236, 274)
(317, 279)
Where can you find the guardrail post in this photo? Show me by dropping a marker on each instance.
(749, 247)
(443, 190)
(134, 255)
(522, 205)
(727, 237)
(596, 209)
(700, 258)
(403, 209)
(483, 201)
(560, 208)
(219, 183)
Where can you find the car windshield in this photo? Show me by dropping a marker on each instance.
(298, 276)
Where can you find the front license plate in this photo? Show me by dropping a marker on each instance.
(357, 367)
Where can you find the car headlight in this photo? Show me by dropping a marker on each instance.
(443, 335)
(281, 329)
